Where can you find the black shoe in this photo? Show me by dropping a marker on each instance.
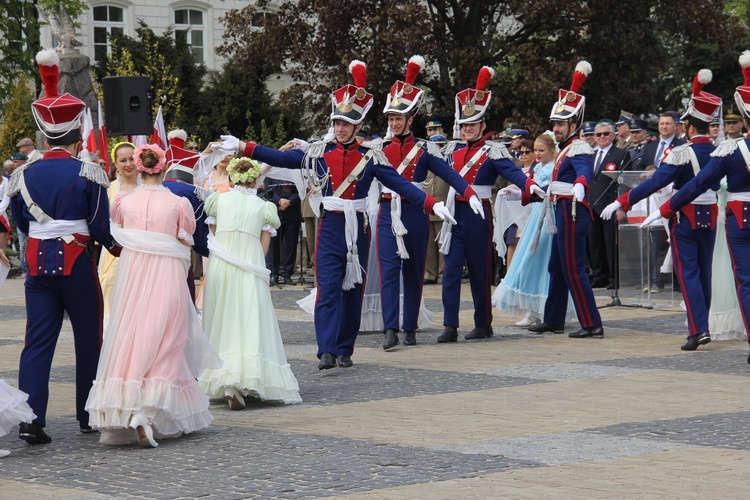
(544, 328)
(287, 280)
(430, 281)
(450, 334)
(345, 361)
(693, 341)
(596, 332)
(410, 338)
(599, 283)
(327, 360)
(273, 281)
(33, 434)
(391, 339)
(479, 332)
(86, 428)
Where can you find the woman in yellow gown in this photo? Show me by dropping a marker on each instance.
(126, 180)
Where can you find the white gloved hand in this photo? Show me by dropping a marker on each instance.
(441, 211)
(655, 216)
(510, 194)
(231, 143)
(476, 204)
(579, 192)
(538, 191)
(610, 209)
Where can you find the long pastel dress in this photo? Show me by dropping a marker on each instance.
(13, 408)
(154, 347)
(212, 187)
(238, 313)
(526, 283)
(108, 262)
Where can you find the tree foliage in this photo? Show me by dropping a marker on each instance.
(644, 53)
(175, 78)
(17, 120)
(18, 44)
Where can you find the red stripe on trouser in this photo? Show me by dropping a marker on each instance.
(738, 288)
(570, 263)
(678, 268)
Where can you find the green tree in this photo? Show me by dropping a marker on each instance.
(17, 119)
(643, 52)
(18, 44)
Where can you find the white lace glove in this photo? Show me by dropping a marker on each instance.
(538, 191)
(476, 204)
(441, 211)
(579, 192)
(510, 194)
(610, 209)
(655, 216)
(231, 143)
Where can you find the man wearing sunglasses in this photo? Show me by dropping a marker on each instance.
(602, 192)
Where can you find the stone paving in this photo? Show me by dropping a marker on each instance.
(517, 415)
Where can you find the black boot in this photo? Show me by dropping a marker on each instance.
(450, 334)
(390, 339)
(479, 332)
(410, 338)
(327, 360)
(33, 434)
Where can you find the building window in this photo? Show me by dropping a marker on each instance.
(189, 29)
(108, 20)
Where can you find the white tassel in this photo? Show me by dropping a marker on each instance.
(446, 232)
(579, 147)
(666, 267)
(726, 148)
(398, 228)
(433, 149)
(449, 148)
(330, 135)
(353, 274)
(679, 155)
(94, 173)
(497, 151)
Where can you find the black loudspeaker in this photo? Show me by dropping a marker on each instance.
(127, 105)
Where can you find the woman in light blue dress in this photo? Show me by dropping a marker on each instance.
(524, 288)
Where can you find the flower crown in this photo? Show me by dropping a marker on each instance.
(162, 159)
(237, 177)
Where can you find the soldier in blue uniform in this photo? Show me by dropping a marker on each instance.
(341, 171)
(179, 179)
(61, 203)
(729, 159)
(479, 163)
(693, 231)
(403, 228)
(566, 195)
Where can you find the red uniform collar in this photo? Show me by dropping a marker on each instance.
(56, 154)
(700, 139)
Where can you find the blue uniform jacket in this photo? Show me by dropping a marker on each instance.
(61, 186)
(200, 237)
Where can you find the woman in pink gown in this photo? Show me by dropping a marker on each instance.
(154, 347)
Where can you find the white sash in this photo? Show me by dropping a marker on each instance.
(744, 196)
(52, 229)
(397, 226)
(446, 232)
(350, 208)
(707, 198)
(150, 242)
(221, 252)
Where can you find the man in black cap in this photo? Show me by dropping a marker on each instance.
(587, 133)
(732, 125)
(433, 125)
(714, 128)
(638, 136)
(623, 129)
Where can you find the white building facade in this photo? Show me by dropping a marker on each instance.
(198, 22)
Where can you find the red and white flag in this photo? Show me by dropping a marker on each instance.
(89, 138)
(102, 138)
(159, 135)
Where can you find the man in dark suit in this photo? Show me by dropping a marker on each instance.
(654, 152)
(602, 192)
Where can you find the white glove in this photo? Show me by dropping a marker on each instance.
(231, 143)
(476, 204)
(610, 209)
(510, 194)
(441, 211)
(655, 216)
(579, 192)
(538, 191)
